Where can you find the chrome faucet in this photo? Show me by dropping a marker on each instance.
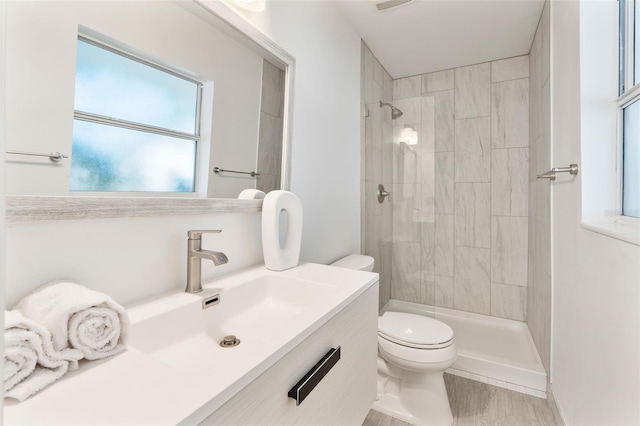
(194, 256)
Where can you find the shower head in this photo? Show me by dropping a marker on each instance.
(395, 112)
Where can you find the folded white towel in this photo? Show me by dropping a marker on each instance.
(30, 361)
(78, 317)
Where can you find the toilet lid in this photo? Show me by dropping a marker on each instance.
(356, 261)
(414, 330)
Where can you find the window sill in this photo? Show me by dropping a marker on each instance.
(621, 228)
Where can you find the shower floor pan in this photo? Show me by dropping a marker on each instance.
(492, 350)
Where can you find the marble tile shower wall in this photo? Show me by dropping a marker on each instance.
(539, 272)
(271, 128)
(460, 188)
(376, 167)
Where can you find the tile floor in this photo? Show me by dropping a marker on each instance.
(475, 403)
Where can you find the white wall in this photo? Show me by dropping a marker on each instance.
(596, 278)
(2, 219)
(326, 148)
(130, 259)
(41, 51)
(599, 85)
(134, 259)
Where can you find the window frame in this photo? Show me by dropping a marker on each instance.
(629, 93)
(132, 125)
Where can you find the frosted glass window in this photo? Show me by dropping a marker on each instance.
(621, 45)
(631, 161)
(636, 43)
(116, 86)
(108, 158)
(136, 124)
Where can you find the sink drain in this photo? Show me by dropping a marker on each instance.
(229, 341)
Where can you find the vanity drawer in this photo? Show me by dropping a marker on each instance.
(343, 396)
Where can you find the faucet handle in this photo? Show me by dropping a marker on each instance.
(196, 235)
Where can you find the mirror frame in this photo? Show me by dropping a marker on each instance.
(21, 208)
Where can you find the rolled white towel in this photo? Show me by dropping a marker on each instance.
(78, 317)
(251, 194)
(30, 361)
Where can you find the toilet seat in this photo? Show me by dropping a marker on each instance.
(414, 331)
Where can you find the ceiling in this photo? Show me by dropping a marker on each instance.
(432, 35)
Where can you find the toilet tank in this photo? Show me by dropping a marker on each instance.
(356, 261)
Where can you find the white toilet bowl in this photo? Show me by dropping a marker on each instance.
(418, 349)
(413, 351)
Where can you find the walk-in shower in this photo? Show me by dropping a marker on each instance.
(395, 112)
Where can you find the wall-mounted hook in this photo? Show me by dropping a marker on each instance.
(382, 194)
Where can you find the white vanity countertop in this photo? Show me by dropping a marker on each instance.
(131, 388)
(146, 385)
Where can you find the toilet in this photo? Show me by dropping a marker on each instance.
(413, 353)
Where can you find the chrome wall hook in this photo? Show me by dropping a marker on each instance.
(551, 174)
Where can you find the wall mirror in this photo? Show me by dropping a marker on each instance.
(242, 98)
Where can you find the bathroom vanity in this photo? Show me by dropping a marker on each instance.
(345, 393)
(176, 372)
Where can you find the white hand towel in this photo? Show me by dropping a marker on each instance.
(78, 317)
(30, 362)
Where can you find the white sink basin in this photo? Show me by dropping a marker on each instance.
(262, 312)
(270, 312)
(262, 309)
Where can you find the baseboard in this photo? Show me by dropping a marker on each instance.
(551, 401)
